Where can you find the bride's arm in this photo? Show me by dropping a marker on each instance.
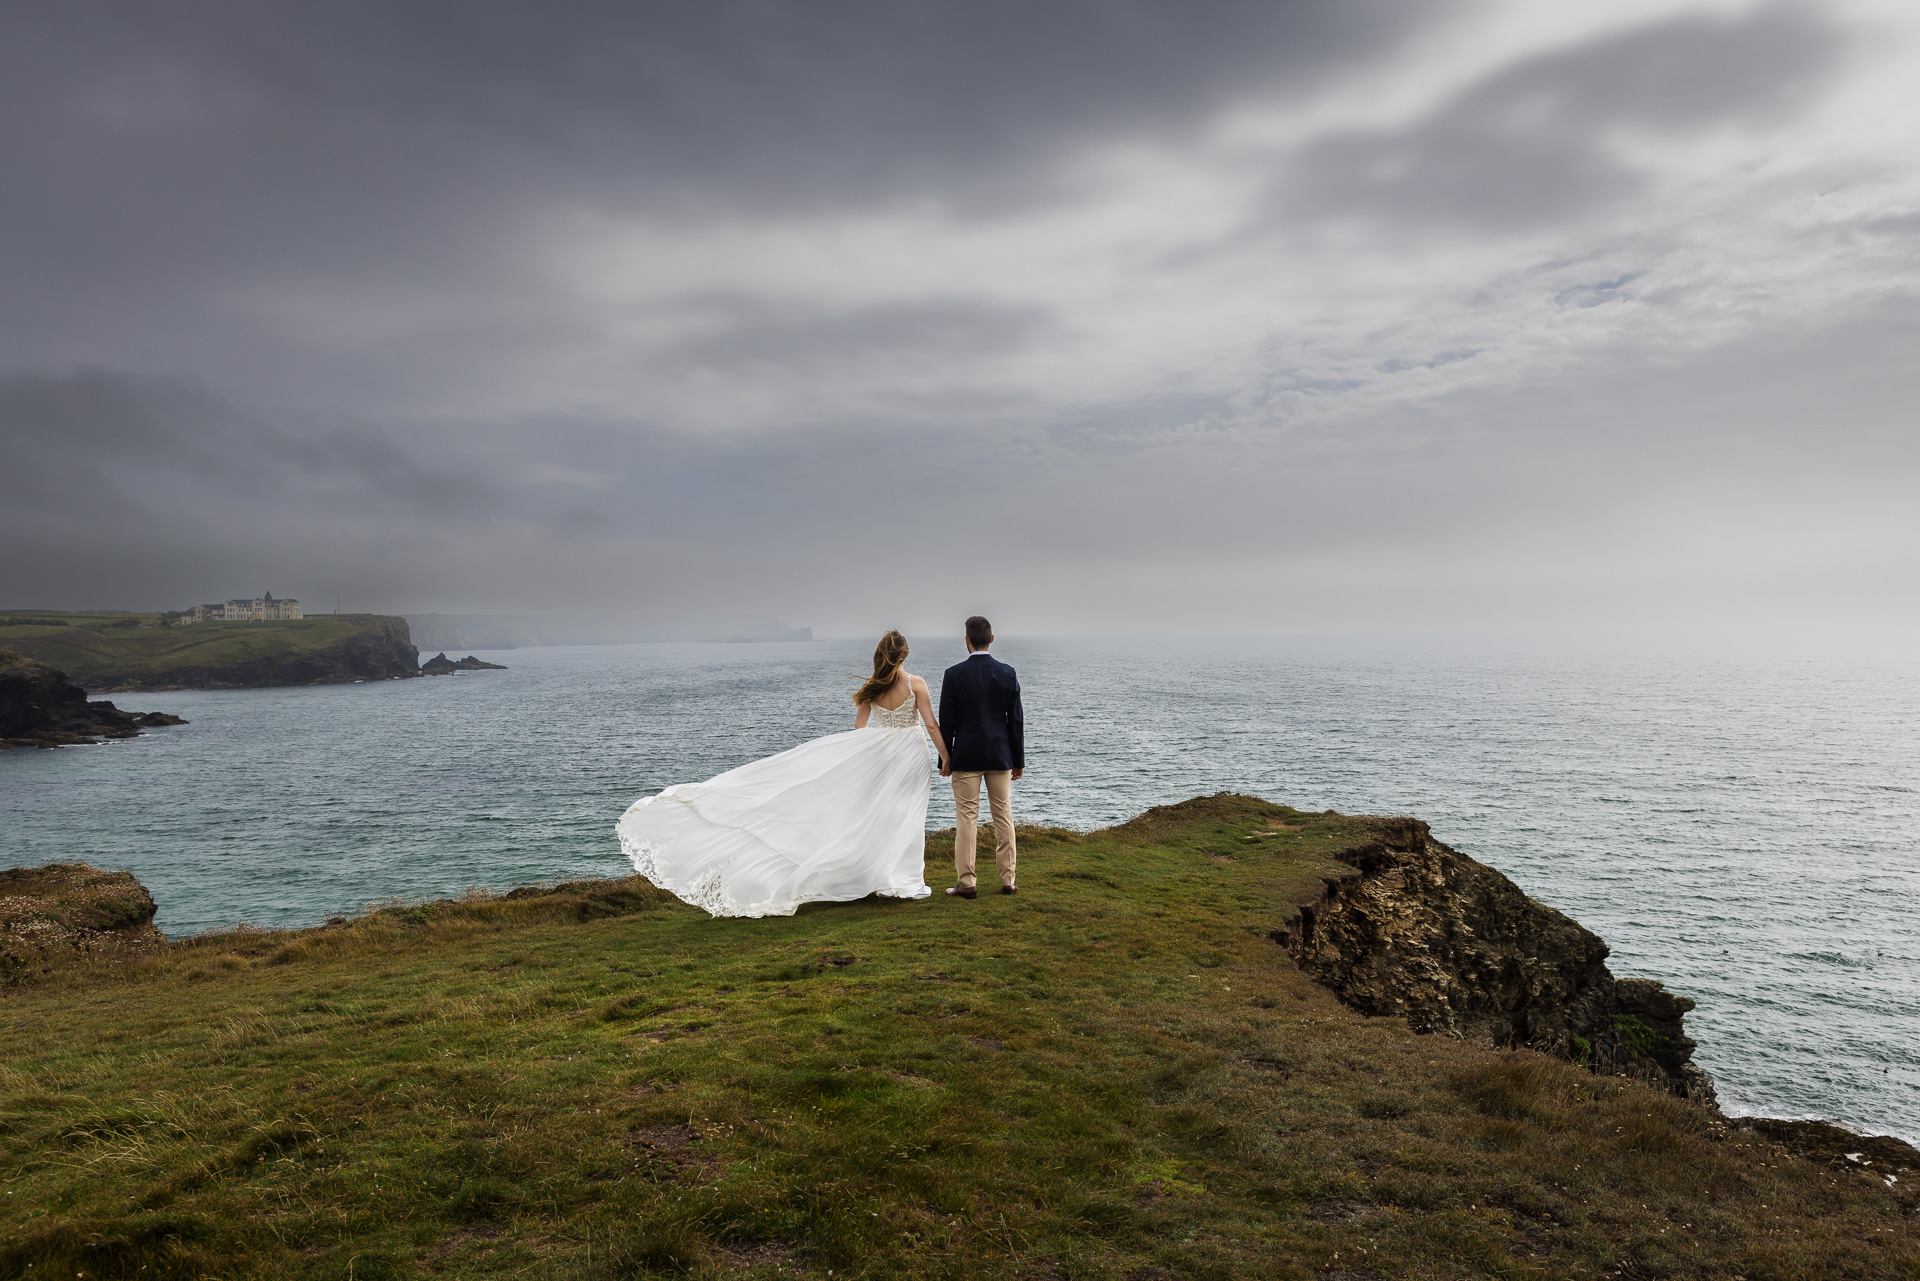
(861, 717)
(933, 726)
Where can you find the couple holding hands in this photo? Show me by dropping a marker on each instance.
(844, 816)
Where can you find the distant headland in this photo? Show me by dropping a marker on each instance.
(253, 642)
(118, 650)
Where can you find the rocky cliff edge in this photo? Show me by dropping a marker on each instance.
(1424, 932)
(40, 707)
(62, 910)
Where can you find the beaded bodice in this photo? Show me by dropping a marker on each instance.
(905, 716)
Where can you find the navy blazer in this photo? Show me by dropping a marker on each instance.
(980, 716)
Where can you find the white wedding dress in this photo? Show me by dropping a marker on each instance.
(832, 820)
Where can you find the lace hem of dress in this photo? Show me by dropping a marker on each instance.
(709, 893)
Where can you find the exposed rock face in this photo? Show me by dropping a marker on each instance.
(1425, 932)
(53, 913)
(40, 707)
(1876, 1156)
(441, 665)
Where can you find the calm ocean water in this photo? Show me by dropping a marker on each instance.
(1747, 832)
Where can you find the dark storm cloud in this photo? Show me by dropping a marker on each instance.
(1530, 145)
(183, 177)
(130, 456)
(101, 447)
(269, 122)
(135, 488)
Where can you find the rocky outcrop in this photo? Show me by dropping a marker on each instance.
(1426, 933)
(1889, 1160)
(40, 707)
(441, 665)
(61, 911)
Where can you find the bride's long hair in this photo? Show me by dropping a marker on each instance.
(889, 656)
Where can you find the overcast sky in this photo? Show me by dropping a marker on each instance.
(1173, 317)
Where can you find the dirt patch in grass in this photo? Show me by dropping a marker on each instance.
(1342, 1210)
(465, 1235)
(661, 1138)
(783, 1256)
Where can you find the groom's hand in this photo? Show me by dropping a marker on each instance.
(1017, 773)
(946, 771)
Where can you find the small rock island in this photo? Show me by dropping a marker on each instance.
(441, 665)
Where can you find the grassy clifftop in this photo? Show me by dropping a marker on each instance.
(1115, 1074)
(105, 651)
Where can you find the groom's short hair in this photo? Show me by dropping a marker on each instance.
(979, 632)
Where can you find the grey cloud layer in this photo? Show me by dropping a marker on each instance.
(179, 170)
(1530, 146)
(789, 309)
(739, 333)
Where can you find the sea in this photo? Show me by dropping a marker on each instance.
(1745, 830)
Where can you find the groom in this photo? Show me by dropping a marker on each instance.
(986, 739)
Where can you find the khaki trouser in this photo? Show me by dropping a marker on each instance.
(966, 813)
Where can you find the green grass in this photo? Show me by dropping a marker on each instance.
(1113, 1074)
(102, 649)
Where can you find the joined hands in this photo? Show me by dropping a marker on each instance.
(946, 771)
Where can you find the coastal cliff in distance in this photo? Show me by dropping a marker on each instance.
(113, 652)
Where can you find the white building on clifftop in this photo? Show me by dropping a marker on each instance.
(258, 610)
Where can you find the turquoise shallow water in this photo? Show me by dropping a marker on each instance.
(1747, 832)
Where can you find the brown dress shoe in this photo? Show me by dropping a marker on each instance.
(1008, 889)
(961, 891)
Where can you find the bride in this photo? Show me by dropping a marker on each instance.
(832, 820)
